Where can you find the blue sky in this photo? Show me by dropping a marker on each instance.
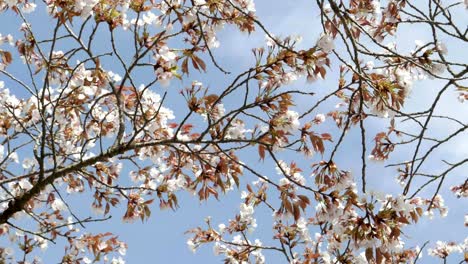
(162, 239)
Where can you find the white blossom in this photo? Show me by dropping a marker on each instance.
(29, 7)
(270, 42)
(443, 249)
(326, 43)
(376, 6)
(122, 249)
(85, 7)
(58, 205)
(191, 246)
(289, 121)
(319, 118)
(249, 5)
(118, 260)
(405, 80)
(8, 251)
(11, 3)
(442, 48)
(219, 249)
(236, 130)
(438, 68)
(150, 18)
(114, 76)
(370, 65)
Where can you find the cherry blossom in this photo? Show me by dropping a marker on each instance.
(103, 110)
(326, 43)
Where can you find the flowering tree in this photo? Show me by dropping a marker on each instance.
(69, 126)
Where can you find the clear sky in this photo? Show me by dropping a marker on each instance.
(162, 238)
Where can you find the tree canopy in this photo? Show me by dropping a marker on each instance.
(339, 142)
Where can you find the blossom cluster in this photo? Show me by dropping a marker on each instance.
(89, 123)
